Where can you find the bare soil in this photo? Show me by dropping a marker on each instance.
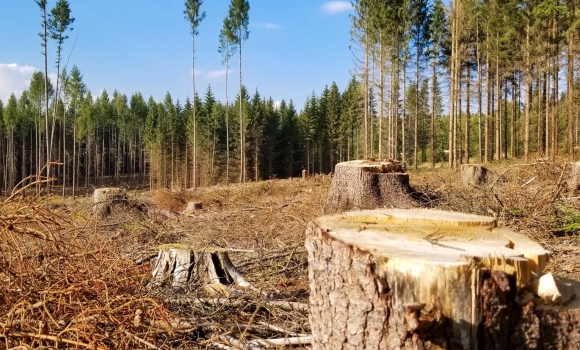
(69, 280)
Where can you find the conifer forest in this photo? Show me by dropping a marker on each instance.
(432, 82)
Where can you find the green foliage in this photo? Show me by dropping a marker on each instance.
(193, 15)
(570, 219)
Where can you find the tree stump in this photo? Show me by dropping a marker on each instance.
(426, 279)
(105, 198)
(574, 186)
(473, 174)
(180, 265)
(192, 207)
(368, 184)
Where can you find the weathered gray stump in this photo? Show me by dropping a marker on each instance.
(192, 207)
(473, 174)
(180, 264)
(425, 279)
(364, 184)
(574, 185)
(105, 198)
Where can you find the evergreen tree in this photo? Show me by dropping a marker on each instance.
(193, 15)
(236, 31)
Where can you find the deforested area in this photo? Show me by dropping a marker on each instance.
(71, 279)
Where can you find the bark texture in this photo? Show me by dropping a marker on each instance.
(423, 279)
(574, 186)
(362, 184)
(105, 198)
(473, 174)
(180, 265)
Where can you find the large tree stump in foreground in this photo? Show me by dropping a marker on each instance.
(366, 184)
(473, 174)
(423, 279)
(105, 198)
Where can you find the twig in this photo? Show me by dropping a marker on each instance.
(281, 330)
(143, 341)
(283, 341)
(228, 339)
(281, 304)
(528, 182)
(45, 337)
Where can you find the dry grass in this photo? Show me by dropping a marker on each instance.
(68, 281)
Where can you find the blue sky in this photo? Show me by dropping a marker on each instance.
(295, 47)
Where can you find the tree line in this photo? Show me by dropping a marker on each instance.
(500, 62)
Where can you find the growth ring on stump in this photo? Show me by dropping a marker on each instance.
(367, 184)
(424, 279)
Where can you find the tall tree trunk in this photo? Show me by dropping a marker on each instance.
(498, 138)
(467, 114)
(528, 105)
(381, 98)
(570, 94)
(513, 152)
(242, 143)
(194, 183)
(416, 132)
(488, 117)
(433, 112)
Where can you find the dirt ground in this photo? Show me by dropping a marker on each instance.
(71, 280)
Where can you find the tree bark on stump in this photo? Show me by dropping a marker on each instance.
(427, 279)
(574, 186)
(192, 207)
(473, 174)
(364, 184)
(105, 198)
(180, 265)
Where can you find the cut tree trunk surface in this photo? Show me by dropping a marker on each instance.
(473, 174)
(367, 184)
(105, 198)
(427, 279)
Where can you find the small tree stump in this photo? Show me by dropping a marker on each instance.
(192, 207)
(367, 184)
(180, 265)
(473, 174)
(105, 198)
(574, 186)
(426, 279)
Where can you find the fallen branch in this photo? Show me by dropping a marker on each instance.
(143, 341)
(281, 330)
(282, 341)
(280, 304)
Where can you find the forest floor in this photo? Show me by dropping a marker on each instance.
(80, 284)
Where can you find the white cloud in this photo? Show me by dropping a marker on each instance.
(333, 7)
(269, 25)
(277, 104)
(214, 74)
(14, 79)
(197, 72)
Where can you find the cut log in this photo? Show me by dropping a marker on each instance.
(105, 198)
(367, 184)
(180, 265)
(426, 279)
(574, 185)
(473, 174)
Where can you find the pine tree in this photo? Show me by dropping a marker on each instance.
(236, 31)
(193, 15)
(59, 22)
